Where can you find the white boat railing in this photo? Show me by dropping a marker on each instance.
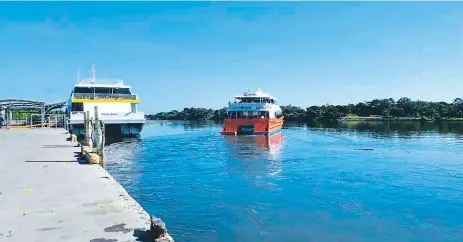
(104, 96)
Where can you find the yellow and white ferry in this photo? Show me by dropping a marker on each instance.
(117, 105)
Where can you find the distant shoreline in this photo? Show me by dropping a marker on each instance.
(374, 118)
(348, 119)
(388, 109)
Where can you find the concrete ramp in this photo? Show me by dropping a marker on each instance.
(47, 195)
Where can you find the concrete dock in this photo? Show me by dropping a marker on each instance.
(47, 195)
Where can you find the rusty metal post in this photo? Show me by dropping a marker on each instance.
(88, 130)
(99, 138)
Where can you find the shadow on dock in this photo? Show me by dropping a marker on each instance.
(59, 146)
(77, 156)
(52, 161)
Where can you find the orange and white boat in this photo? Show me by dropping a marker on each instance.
(253, 113)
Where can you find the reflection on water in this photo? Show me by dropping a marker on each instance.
(245, 146)
(191, 125)
(123, 153)
(308, 182)
(391, 127)
(121, 140)
(260, 152)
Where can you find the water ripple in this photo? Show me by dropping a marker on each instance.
(306, 184)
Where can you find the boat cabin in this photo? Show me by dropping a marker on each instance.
(106, 90)
(96, 92)
(253, 105)
(247, 114)
(245, 99)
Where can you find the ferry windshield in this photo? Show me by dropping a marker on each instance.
(254, 100)
(248, 115)
(77, 107)
(103, 90)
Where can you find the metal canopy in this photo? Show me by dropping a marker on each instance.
(12, 104)
(20, 104)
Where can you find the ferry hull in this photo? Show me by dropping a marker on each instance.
(264, 126)
(116, 124)
(131, 129)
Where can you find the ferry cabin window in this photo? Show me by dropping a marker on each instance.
(264, 114)
(77, 107)
(103, 90)
(248, 115)
(83, 90)
(133, 107)
(255, 100)
(121, 91)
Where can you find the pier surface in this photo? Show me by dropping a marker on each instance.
(46, 195)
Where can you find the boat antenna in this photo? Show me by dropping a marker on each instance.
(93, 71)
(78, 75)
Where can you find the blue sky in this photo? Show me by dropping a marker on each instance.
(187, 54)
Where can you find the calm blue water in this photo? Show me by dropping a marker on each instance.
(304, 184)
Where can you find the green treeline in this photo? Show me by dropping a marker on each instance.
(191, 114)
(404, 108)
(26, 114)
(23, 114)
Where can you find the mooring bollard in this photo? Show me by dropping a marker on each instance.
(73, 138)
(99, 127)
(93, 128)
(88, 131)
(85, 128)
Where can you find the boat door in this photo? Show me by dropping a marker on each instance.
(246, 129)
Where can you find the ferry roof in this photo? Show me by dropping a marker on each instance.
(257, 93)
(93, 82)
(101, 83)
